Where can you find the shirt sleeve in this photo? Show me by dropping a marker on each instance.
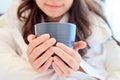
(90, 70)
(112, 61)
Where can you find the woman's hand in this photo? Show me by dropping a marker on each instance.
(69, 56)
(39, 52)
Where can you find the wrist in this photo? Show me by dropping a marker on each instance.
(80, 68)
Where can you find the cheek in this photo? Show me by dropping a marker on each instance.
(68, 5)
(39, 3)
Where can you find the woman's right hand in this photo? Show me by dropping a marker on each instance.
(36, 47)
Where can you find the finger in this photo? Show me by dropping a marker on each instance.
(57, 69)
(31, 37)
(34, 43)
(66, 57)
(79, 45)
(42, 48)
(41, 60)
(62, 66)
(69, 51)
(45, 67)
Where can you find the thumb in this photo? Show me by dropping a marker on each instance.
(31, 37)
(79, 45)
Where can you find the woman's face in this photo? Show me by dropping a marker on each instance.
(54, 8)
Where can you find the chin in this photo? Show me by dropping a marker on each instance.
(54, 16)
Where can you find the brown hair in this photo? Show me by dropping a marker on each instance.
(78, 15)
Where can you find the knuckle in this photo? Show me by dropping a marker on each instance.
(73, 55)
(45, 44)
(76, 67)
(41, 70)
(68, 72)
(50, 42)
(72, 61)
(30, 60)
(44, 68)
(62, 54)
(49, 51)
(36, 50)
(47, 64)
(35, 66)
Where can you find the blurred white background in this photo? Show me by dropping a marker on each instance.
(4, 4)
(112, 13)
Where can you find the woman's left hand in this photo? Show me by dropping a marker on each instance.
(69, 56)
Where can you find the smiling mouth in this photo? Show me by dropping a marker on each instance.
(53, 6)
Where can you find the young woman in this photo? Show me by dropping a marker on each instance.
(92, 27)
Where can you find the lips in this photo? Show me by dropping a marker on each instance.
(53, 6)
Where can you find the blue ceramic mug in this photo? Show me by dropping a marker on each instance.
(62, 32)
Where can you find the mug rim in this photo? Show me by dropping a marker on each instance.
(55, 23)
